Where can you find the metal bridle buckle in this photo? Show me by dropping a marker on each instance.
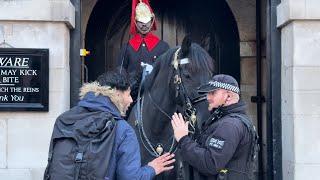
(159, 149)
(189, 106)
(191, 114)
(177, 79)
(193, 118)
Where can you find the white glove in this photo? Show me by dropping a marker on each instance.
(147, 66)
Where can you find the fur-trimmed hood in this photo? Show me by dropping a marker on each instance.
(107, 91)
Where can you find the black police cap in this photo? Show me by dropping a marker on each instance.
(220, 81)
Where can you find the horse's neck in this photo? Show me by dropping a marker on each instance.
(157, 111)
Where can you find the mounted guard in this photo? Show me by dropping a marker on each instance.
(144, 46)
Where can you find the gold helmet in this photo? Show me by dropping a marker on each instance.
(143, 12)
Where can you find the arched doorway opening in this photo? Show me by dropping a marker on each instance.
(100, 12)
(210, 23)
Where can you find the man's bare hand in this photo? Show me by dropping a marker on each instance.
(160, 164)
(180, 127)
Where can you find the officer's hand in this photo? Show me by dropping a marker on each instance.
(159, 164)
(180, 127)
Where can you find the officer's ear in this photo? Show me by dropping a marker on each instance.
(228, 96)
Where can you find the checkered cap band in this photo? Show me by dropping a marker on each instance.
(225, 86)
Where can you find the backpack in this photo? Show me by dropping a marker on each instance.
(81, 145)
(252, 161)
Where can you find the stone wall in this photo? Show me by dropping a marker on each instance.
(25, 136)
(300, 26)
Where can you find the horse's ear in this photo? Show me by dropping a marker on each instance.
(185, 47)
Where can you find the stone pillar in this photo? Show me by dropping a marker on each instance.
(25, 136)
(300, 26)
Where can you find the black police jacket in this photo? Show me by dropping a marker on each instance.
(224, 143)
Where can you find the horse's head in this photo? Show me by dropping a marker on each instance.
(192, 66)
(178, 73)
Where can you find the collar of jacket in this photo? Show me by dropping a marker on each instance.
(239, 107)
(103, 98)
(150, 40)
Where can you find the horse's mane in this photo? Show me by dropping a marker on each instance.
(199, 60)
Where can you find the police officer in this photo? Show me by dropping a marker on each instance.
(144, 46)
(227, 143)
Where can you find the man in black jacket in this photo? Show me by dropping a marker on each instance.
(226, 146)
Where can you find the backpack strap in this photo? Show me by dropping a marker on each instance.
(78, 161)
(254, 147)
(46, 172)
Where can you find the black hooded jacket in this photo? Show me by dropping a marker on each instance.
(224, 143)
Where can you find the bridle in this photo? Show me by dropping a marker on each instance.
(189, 111)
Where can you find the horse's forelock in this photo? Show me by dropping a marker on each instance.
(199, 60)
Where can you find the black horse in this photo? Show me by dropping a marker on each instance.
(171, 87)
